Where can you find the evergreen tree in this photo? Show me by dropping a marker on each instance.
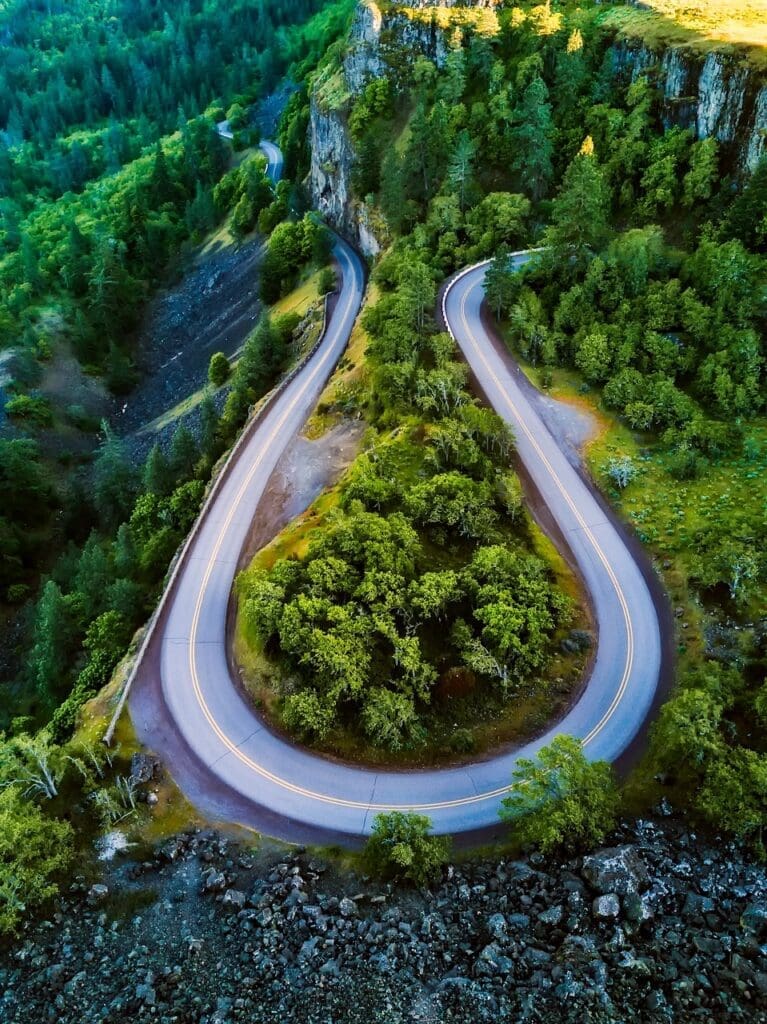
(747, 219)
(581, 209)
(157, 476)
(48, 659)
(183, 455)
(113, 479)
(531, 139)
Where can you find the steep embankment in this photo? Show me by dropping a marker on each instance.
(715, 95)
(378, 39)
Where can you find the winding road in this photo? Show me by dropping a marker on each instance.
(289, 792)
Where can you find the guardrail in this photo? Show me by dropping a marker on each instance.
(255, 417)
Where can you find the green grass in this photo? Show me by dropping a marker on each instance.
(733, 26)
(668, 514)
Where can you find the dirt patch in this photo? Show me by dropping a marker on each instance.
(303, 472)
(571, 425)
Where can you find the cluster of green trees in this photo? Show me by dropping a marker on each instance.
(292, 245)
(707, 741)
(559, 802)
(98, 253)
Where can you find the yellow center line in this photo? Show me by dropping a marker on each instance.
(324, 797)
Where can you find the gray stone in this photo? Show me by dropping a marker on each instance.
(696, 905)
(215, 881)
(637, 908)
(754, 918)
(607, 907)
(97, 893)
(618, 870)
(347, 907)
(553, 916)
(496, 926)
(143, 768)
(234, 898)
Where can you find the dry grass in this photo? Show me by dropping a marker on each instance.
(738, 26)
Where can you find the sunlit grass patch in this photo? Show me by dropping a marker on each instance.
(701, 25)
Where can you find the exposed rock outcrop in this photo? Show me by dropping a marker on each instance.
(717, 96)
(374, 39)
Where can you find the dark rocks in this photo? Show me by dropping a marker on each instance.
(234, 898)
(658, 928)
(617, 870)
(607, 907)
(97, 893)
(754, 918)
(143, 768)
(347, 907)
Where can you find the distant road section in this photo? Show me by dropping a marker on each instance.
(215, 738)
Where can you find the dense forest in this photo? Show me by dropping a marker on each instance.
(80, 255)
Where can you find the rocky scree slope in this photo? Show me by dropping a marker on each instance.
(716, 96)
(657, 927)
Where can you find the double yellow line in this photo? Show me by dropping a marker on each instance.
(359, 804)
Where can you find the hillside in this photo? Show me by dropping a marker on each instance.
(702, 26)
(540, 501)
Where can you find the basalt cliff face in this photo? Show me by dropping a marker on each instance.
(716, 95)
(376, 38)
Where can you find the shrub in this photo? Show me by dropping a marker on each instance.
(401, 846)
(561, 800)
(219, 369)
(327, 282)
(33, 848)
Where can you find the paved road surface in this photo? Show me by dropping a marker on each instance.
(309, 794)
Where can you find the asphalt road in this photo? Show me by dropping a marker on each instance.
(297, 793)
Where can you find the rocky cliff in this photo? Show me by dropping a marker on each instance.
(716, 95)
(377, 33)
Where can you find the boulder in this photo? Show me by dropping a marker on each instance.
(618, 870)
(97, 893)
(754, 918)
(234, 898)
(347, 907)
(143, 768)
